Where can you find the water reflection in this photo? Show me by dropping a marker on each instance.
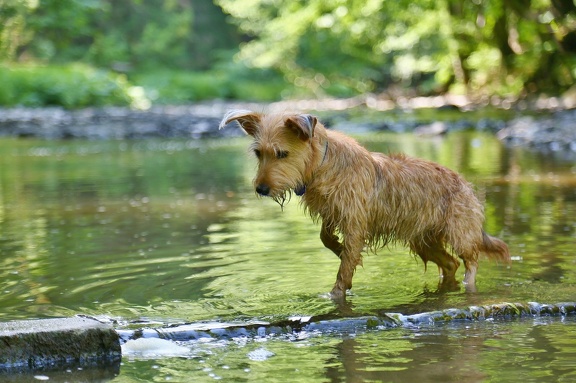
(171, 231)
(529, 349)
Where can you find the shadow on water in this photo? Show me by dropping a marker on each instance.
(73, 372)
(159, 233)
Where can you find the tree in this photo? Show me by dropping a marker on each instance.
(13, 32)
(119, 34)
(481, 47)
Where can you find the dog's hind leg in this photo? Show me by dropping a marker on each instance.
(471, 266)
(329, 239)
(435, 252)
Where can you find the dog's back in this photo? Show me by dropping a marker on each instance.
(417, 199)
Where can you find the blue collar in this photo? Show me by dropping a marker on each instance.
(301, 189)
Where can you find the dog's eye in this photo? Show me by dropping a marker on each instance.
(257, 152)
(281, 154)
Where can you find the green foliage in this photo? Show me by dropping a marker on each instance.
(225, 82)
(256, 84)
(481, 47)
(13, 31)
(71, 86)
(60, 27)
(182, 50)
(80, 85)
(343, 46)
(142, 34)
(177, 87)
(115, 34)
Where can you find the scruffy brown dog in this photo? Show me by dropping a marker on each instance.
(369, 199)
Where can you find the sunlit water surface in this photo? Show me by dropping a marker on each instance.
(153, 233)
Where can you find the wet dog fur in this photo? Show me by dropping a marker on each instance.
(365, 199)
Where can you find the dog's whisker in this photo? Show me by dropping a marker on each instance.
(282, 199)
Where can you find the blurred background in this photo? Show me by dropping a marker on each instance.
(162, 228)
(78, 53)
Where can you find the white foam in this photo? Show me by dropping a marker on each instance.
(260, 354)
(149, 347)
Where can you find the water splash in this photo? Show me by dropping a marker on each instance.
(153, 348)
(260, 354)
(326, 325)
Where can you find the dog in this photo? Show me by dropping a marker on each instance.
(368, 200)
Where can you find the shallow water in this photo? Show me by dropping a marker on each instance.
(154, 233)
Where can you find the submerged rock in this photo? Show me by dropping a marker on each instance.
(337, 325)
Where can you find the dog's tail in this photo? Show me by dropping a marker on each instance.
(494, 248)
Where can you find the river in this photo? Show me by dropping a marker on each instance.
(158, 233)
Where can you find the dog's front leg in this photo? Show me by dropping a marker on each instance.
(329, 239)
(350, 257)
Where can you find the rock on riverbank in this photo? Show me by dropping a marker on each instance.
(197, 121)
(556, 132)
(550, 131)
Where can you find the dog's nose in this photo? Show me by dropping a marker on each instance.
(263, 189)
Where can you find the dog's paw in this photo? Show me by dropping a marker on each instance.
(337, 294)
(470, 287)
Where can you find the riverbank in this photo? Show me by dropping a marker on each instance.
(545, 128)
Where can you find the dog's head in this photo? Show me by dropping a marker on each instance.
(287, 146)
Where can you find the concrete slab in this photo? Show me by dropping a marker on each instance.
(45, 343)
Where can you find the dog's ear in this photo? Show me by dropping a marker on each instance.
(249, 121)
(303, 125)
